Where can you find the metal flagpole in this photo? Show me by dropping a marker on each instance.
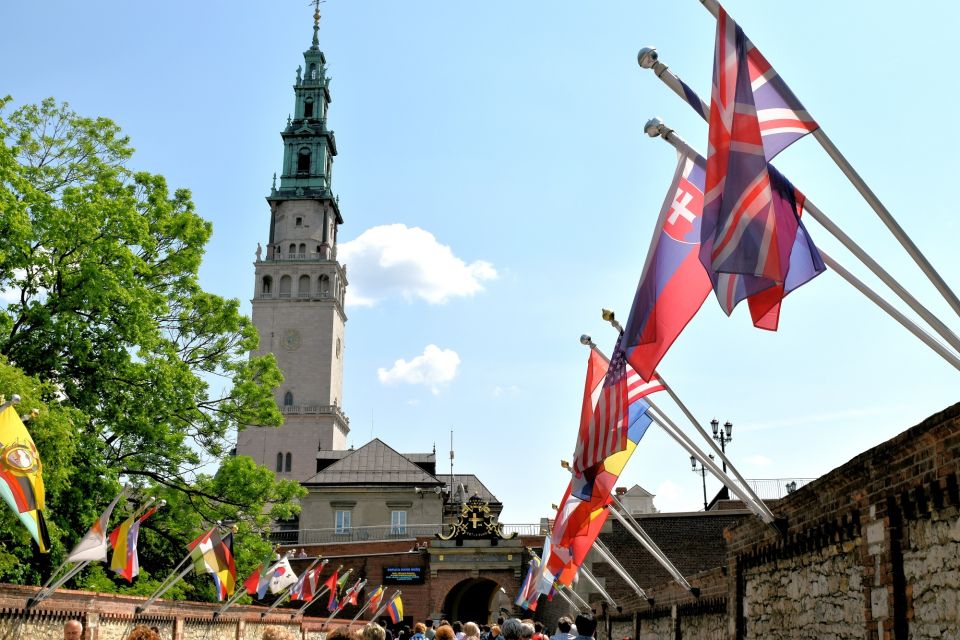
(316, 596)
(641, 536)
(885, 216)
(656, 128)
(648, 59)
(359, 613)
(337, 611)
(239, 594)
(596, 585)
(565, 596)
(605, 554)
(167, 585)
(576, 596)
(386, 603)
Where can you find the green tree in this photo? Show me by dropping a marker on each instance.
(106, 319)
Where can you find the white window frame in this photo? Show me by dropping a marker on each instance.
(398, 523)
(341, 520)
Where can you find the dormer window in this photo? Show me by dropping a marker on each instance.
(303, 160)
(308, 108)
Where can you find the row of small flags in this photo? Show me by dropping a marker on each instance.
(731, 224)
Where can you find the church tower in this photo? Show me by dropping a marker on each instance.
(300, 286)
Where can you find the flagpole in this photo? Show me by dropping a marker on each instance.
(386, 603)
(649, 59)
(315, 597)
(885, 216)
(359, 613)
(608, 557)
(596, 585)
(656, 128)
(559, 589)
(576, 596)
(337, 612)
(648, 543)
(168, 584)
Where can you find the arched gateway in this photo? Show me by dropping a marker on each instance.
(475, 599)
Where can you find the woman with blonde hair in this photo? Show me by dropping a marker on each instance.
(471, 630)
(276, 633)
(372, 631)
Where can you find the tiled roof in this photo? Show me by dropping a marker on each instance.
(471, 483)
(373, 463)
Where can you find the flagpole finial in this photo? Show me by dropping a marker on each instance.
(654, 127)
(587, 341)
(610, 317)
(647, 57)
(565, 464)
(15, 398)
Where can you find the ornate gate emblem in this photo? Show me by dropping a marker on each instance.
(476, 521)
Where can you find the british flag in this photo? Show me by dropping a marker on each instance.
(747, 237)
(609, 407)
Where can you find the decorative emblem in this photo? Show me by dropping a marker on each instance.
(20, 459)
(476, 520)
(291, 339)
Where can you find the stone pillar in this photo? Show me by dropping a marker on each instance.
(91, 624)
(178, 629)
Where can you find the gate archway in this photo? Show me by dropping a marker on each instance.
(474, 600)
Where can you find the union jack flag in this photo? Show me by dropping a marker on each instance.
(610, 408)
(747, 238)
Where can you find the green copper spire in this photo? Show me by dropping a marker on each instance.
(308, 146)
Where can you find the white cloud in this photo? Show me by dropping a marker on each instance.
(433, 368)
(11, 295)
(511, 391)
(396, 260)
(759, 460)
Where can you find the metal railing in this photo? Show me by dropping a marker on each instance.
(307, 410)
(776, 488)
(380, 532)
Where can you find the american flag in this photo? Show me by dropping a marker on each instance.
(604, 426)
(753, 116)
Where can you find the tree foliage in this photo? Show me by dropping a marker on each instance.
(143, 375)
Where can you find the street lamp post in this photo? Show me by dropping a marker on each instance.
(723, 436)
(703, 477)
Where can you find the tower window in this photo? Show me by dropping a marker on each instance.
(288, 399)
(285, 284)
(303, 250)
(303, 160)
(299, 222)
(308, 108)
(279, 462)
(288, 463)
(293, 249)
(338, 347)
(303, 287)
(267, 285)
(324, 286)
(313, 70)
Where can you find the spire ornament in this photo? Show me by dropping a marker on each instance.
(316, 22)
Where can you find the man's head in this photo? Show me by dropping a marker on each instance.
(586, 625)
(72, 630)
(538, 626)
(512, 629)
(429, 623)
(457, 627)
(528, 630)
(564, 624)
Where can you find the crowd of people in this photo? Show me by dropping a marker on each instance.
(510, 629)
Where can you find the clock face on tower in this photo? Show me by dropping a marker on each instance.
(291, 340)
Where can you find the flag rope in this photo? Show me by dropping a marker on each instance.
(655, 128)
(648, 59)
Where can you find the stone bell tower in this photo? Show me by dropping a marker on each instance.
(300, 286)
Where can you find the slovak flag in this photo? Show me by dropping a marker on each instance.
(673, 284)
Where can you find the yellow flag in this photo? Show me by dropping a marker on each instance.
(21, 482)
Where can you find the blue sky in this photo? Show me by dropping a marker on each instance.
(503, 141)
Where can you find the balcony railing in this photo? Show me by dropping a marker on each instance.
(776, 488)
(382, 532)
(315, 410)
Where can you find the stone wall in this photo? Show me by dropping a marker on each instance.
(931, 565)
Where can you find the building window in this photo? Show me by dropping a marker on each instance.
(267, 286)
(303, 287)
(342, 522)
(279, 462)
(303, 161)
(299, 222)
(293, 250)
(398, 523)
(303, 250)
(285, 284)
(308, 108)
(288, 399)
(323, 286)
(313, 70)
(338, 347)
(288, 463)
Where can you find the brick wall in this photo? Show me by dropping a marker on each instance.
(869, 550)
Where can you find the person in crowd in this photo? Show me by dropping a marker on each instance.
(586, 625)
(495, 632)
(484, 632)
(142, 632)
(72, 630)
(471, 631)
(500, 622)
(527, 630)
(563, 629)
(386, 630)
(429, 632)
(512, 629)
(341, 633)
(404, 633)
(538, 633)
(457, 630)
(445, 632)
(276, 633)
(419, 631)
(372, 631)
